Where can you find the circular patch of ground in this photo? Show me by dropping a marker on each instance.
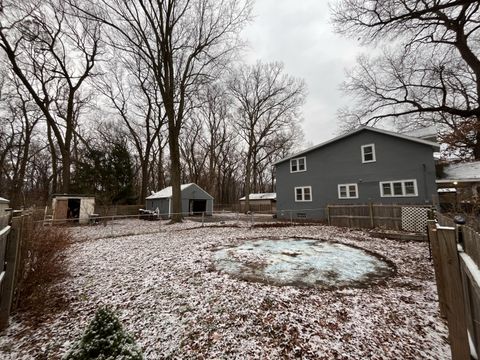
(302, 262)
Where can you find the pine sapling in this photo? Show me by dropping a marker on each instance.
(105, 339)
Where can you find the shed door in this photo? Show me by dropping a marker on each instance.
(61, 209)
(198, 206)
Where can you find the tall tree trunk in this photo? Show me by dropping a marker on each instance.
(175, 173)
(476, 149)
(248, 176)
(53, 153)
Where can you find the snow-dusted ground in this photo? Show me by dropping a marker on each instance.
(164, 285)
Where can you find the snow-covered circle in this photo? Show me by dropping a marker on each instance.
(301, 262)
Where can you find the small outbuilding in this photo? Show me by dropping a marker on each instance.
(73, 207)
(4, 215)
(195, 201)
(4, 205)
(260, 202)
(463, 182)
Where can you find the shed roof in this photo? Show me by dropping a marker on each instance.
(4, 201)
(425, 133)
(261, 196)
(167, 192)
(434, 145)
(73, 196)
(462, 172)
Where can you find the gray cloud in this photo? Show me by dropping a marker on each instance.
(301, 36)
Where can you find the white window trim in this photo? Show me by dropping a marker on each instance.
(303, 193)
(403, 188)
(348, 192)
(373, 153)
(296, 160)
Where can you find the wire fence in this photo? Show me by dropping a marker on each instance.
(371, 216)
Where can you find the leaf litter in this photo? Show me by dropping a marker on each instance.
(163, 282)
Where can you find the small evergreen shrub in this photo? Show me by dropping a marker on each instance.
(105, 339)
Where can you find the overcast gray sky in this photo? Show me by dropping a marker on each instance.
(300, 35)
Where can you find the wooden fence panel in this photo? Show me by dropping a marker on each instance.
(368, 216)
(432, 234)
(452, 282)
(120, 210)
(444, 220)
(471, 243)
(7, 269)
(472, 303)
(3, 247)
(387, 216)
(456, 255)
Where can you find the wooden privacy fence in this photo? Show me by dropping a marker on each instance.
(393, 217)
(456, 256)
(9, 249)
(113, 210)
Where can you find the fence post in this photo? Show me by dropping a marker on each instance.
(11, 256)
(328, 215)
(370, 210)
(451, 280)
(203, 218)
(432, 234)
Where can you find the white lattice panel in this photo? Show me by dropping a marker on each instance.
(414, 219)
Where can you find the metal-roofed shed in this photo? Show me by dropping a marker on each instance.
(195, 201)
(260, 202)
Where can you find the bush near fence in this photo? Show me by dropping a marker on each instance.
(35, 262)
(41, 265)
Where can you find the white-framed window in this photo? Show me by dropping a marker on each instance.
(348, 191)
(298, 164)
(368, 153)
(303, 193)
(399, 188)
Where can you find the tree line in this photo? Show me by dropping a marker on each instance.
(118, 99)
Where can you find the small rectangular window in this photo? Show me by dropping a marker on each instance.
(348, 191)
(398, 188)
(409, 188)
(298, 164)
(387, 189)
(368, 153)
(303, 193)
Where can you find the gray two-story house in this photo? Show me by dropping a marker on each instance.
(367, 165)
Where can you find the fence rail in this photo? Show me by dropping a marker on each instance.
(456, 256)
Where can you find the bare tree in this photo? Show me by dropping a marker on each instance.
(52, 53)
(429, 69)
(268, 102)
(134, 96)
(183, 42)
(216, 115)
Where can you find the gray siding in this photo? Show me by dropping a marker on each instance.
(191, 193)
(340, 162)
(161, 204)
